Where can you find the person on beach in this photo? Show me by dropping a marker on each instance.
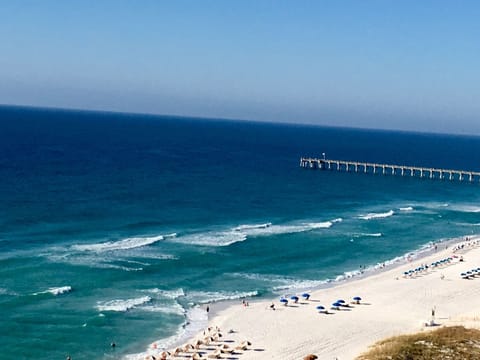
(272, 306)
(208, 308)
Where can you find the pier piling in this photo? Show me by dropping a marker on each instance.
(388, 169)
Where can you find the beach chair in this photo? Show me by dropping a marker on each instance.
(217, 354)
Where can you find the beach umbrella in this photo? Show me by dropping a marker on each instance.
(341, 301)
(336, 305)
(306, 295)
(357, 298)
(320, 307)
(283, 300)
(294, 298)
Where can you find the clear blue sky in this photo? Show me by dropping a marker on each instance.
(412, 65)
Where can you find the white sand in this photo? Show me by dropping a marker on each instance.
(392, 305)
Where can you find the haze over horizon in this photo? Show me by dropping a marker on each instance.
(373, 64)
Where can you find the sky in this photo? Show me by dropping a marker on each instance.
(407, 65)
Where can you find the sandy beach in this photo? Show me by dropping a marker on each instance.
(392, 304)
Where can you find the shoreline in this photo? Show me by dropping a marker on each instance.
(424, 251)
(229, 314)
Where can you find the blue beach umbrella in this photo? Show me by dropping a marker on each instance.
(341, 301)
(283, 300)
(306, 295)
(294, 298)
(320, 307)
(357, 298)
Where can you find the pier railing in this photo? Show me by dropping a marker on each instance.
(388, 169)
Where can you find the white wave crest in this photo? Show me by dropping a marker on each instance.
(205, 297)
(408, 208)
(242, 232)
(318, 225)
(213, 238)
(250, 227)
(281, 282)
(56, 290)
(293, 284)
(175, 309)
(465, 208)
(125, 244)
(122, 305)
(169, 294)
(371, 216)
(369, 235)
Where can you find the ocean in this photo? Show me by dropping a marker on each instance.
(122, 227)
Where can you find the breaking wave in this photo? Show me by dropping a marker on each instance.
(372, 216)
(56, 290)
(168, 294)
(242, 232)
(281, 283)
(175, 309)
(205, 297)
(122, 305)
(465, 208)
(368, 235)
(251, 227)
(125, 244)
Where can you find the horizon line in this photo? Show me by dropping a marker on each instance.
(307, 124)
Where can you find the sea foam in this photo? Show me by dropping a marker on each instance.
(166, 294)
(122, 305)
(243, 232)
(372, 216)
(124, 244)
(196, 320)
(174, 308)
(56, 290)
(368, 235)
(205, 297)
(281, 282)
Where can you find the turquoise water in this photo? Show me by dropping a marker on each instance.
(116, 227)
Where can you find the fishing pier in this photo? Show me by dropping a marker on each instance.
(387, 169)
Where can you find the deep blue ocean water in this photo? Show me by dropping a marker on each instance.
(116, 227)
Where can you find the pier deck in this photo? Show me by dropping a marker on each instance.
(388, 169)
